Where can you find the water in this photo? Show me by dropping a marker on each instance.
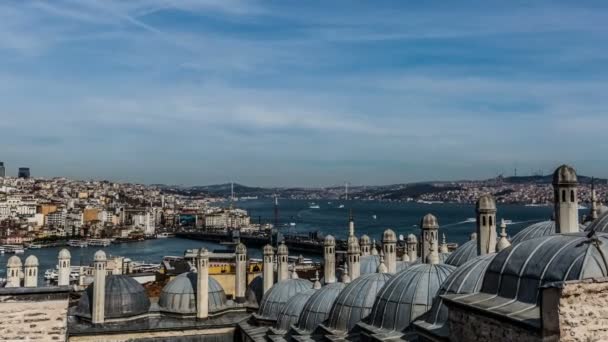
(401, 217)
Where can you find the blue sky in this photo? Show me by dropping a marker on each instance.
(302, 92)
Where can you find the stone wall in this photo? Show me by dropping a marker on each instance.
(36, 314)
(466, 325)
(583, 311)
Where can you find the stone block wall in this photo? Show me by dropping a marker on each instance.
(583, 311)
(33, 315)
(466, 325)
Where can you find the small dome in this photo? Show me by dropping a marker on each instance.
(389, 236)
(564, 175)
(408, 295)
(268, 250)
(64, 254)
(365, 240)
(255, 291)
(14, 261)
(600, 224)
(356, 300)
(462, 254)
(282, 249)
(466, 279)
(535, 230)
(486, 202)
(411, 238)
(275, 299)
(31, 261)
(240, 249)
(330, 240)
(124, 297)
(317, 308)
(100, 256)
(293, 308)
(179, 295)
(429, 221)
(369, 264)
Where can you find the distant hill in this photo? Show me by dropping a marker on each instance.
(548, 179)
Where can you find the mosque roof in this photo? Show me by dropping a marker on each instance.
(179, 295)
(535, 230)
(317, 308)
(275, 299)
(255, 290)
(462, 254)
(600, 224)
(293, 308)
(124, 297)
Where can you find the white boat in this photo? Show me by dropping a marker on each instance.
(35, 246)
(99, 242)
(374, 217)
(341, 206)
(77, 243)
(292, 224)
(314, 206)
(471, 219)
(15, 249)
(582, 207)
(508, 221)
(164, 235)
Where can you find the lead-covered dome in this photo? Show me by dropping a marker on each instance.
(31, 261)
(179, 295)
(356, 300)
(369, 264)
(255, 291)
(600, 224)
(462, 254)
(275, 299)
(543, 228)
(486, 202)
(291, 311)
(408, 295)
(429, 221)
(564, 175)
(317, 308)
(14, 261)
(124, 297)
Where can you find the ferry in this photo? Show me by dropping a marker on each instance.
(341, 206)
(164, 235)
(15, 249)
(99, 242)
(77, 243)
(314, 206)
(35, 246)
(470, 219)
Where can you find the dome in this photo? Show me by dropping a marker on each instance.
(13, 261)
(64, 254)
(466, 279)
(356, 300)
(462, 254)
(411, 238)
(31, 261)
(124, 297)
(389, 236)
(179, 295)
(268, 250)
(535, 230)
(100, 256)
(408, 295)
(275, 299)
(330, 240)
(369, 264)
(486, 202)
(429, 221)
(518, 272)
(282, 249)
(565, 175)
(317, 308)
(255, 291)
(600, 224)
(293, 308)
(240, 249)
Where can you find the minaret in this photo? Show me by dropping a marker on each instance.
(430, 234)
(444, 246)
(294, 274)
(63, 274)
(329, 246)
(593, 212)
(282, 262)
(13, 272)
(365, 245)
(240, 277)
(389, 245)
(202, 284)
(374, 250)
(353, 250)
(503, 242)
(99, 288)
(433, 257)
(486, 225)
(382, 267)
(345, 277)
(31, 271)
(317, 283)
(412, 247)
(268, 267)
(351, 224)
(565, 199)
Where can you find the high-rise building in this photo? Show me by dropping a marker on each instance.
(2, 170)
(24, 172)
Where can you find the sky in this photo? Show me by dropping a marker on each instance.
(302, 93)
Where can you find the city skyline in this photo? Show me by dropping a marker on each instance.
(314, 94)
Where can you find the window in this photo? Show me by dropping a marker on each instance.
(563, 195)
(490, 218)
(483, 220)
(572, 196)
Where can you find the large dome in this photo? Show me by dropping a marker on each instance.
(124, 297)
(408, 295)
(466, 279)
(275, 299)
(356, 300)
(293, 308)
(179, 296)
(255, 291)
(369, 264)
(543, 228)
(317, 308)
(462, 254)
(600, 224)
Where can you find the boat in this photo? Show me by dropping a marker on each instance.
(14, 249)
(77, 243)
(314, 206)
(341, 206)
(164, 235)
(508, 221)
(471, 219)
(582, 207)
(35, 246)
(292, 224)
(374, 217)
(99, 242)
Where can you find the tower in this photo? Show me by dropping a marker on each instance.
(13, 272)
(345, 277)
(240, 277)
(412, 247)
(268, 267)
(329, 254)
(282, 262)
(593, 211)
(429, 234)
(354, 255)
(31, 271)
(374, 251)
(565, 199)
(486, 225)
(63, 274)
(382, 266)
(503, 242)
(444, 245)
(365, 245)
(433, 256)
(317, 284)
(99, 288)
(202, 284)
(389, 246)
